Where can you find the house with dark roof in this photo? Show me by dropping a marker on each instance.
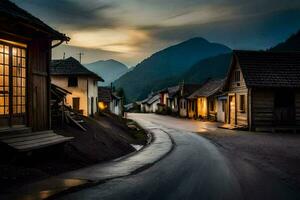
(71, 75)
(150, 104)
(264, 90)
(206, 100)
(173, 99)
(25, 52)
(185, 104)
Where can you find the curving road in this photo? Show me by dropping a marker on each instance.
(195, 169)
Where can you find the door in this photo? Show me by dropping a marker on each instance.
(232, 110)
(13, 84)
(76, 103)
(92, 106)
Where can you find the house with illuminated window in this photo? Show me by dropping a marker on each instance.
(264, 90)
(185, 105)
(205, 103)
(25, 52)
(72, 76)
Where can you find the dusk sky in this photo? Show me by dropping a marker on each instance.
(131, 30)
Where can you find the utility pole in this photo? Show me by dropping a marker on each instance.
(80, 56)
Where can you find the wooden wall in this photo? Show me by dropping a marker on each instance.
(39, 54)
(192, 112)
(262, 107)
(237, 89)
(202, 107)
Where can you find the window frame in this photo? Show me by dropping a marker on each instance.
(237, 76)
(242, 104)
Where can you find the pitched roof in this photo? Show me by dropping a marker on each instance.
(12, 11)
(71, 66)
(269, 69)
(188, 89)
(173, 91)
(153, 99)
(209, 88)
(104, 94)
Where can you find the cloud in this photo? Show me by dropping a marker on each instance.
(142, 27)
(252, 32)
(71, 14)
(123, 40)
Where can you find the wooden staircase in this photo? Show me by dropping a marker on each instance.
(24, 140)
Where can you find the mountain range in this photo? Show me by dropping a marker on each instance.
(192, 61)
(109, 70)
(165, 68)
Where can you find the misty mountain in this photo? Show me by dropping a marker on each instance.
(165, 67)
(109, 70)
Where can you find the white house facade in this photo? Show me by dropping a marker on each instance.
(82, 83)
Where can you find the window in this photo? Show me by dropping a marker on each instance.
(72, 81)
(242, 103)
(193, 106)
(237, 76)
(12, 80)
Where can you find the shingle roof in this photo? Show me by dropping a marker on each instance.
(104, 94)
(71, 66)
(12, 11)
(173, 91)
(153, 99)
(209, 88)
(269, 69)
(188, 89)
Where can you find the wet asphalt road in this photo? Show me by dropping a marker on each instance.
(195, 169)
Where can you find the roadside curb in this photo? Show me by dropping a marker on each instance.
(160, 146)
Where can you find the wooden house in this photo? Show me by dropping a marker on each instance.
(25, 54)
(150, 104)
(173, 94)
(263, 90)
(187, 107)
(71, 75)
(164, 95)
(163, 100)
(205, 100)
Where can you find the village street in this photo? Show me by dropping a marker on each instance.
(194, 169)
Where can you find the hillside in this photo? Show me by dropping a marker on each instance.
(214, 67)
(291, 44)
(109, 70)
(162, 68)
